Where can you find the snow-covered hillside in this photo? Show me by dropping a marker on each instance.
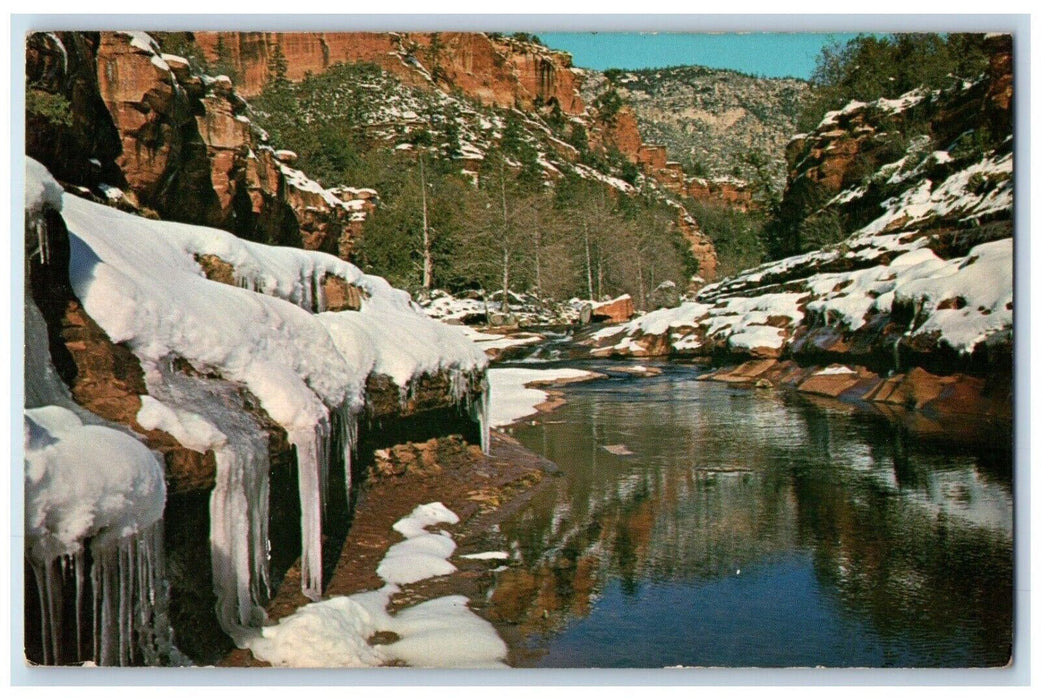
(928, 271)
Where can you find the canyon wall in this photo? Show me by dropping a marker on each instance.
(502, 72)
(175, 144)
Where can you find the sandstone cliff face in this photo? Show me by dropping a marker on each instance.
(176, 144)
(501, 72)
(494, 71)
(62, 63)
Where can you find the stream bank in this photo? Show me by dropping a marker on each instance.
(481, 489)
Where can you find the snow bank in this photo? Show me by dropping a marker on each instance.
(441, 633)
(422, 554)
(978, 289)
(85, 481)
(92, 484)
(512, 400)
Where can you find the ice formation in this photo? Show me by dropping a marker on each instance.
(442, 632)
(92, 487)
(142, 282)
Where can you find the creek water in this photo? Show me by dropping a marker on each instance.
(700, 524)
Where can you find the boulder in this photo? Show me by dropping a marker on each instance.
(618, 310)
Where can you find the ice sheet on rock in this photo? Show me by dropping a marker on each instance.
(239, 500)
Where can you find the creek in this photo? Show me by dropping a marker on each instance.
(703, 524)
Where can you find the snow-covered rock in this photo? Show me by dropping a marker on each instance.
(266, 331)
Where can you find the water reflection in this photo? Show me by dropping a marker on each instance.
(756, 528)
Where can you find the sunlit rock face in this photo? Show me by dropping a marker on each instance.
(176, 144)
(497, 71)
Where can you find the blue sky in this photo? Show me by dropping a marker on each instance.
(768, 54)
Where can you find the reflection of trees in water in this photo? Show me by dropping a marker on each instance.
(725, 479)
(660, 517)
(914, 573)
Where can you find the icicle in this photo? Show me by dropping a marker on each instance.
(80, 563)
(239, 535)
(129, 608)
(480, 406)
(42, 242)
(54, 607)
(312, 459)
(318, 291)
(346, 440)
(123, 620)
(105, 600)
(470, 389)
(45, 621)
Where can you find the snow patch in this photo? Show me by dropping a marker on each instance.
(441, 633)
(512, 399)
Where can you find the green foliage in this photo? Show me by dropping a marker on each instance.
(579, 138)
(578, 237)
(528, 37)
(627, 170)
(224, 65)
(613, 74)
(55, 109)
(277, 70)
(783, 233)
(608, 104)
(183, 44)
(736, 235)
(870, 67)
(820, 229)
(555, 119)
(972, 145)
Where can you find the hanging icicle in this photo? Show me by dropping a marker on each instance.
(92, 486)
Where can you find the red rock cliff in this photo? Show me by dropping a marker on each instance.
(501, 72)
(182, 145)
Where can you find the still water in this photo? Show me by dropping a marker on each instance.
(757, 528)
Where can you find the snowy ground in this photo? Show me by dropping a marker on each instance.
(442, 633)
(498, 341)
